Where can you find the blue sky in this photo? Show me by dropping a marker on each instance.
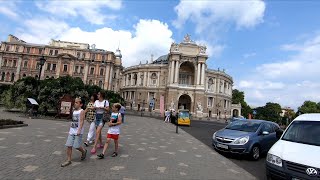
(270, 48)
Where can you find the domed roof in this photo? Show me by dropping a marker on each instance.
(161, 60)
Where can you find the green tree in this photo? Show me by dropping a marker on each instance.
(271, 111)
(238, 97)
(309, 107)
(49, 91)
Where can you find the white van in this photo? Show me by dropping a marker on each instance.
(297, 153)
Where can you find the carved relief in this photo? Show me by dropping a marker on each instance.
(203, 49)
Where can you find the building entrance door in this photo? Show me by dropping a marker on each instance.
(184, 102)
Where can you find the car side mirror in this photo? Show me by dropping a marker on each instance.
(265, 133)
(279, 133)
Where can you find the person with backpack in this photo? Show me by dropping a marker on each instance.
(113, 131)
(102, 108)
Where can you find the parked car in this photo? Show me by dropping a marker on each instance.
(236, 119)
(297, 153)
(246, 137)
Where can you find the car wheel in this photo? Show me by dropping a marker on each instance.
(255, 153)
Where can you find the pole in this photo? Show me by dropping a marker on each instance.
(177, 125)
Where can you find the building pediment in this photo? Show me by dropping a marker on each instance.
(66, 56)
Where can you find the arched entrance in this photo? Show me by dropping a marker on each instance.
(235, 113)
(184, 102)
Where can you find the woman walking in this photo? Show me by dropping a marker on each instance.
(90, 116)
(101, 106)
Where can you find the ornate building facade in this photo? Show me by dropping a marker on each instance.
(94, 66)
(179, 80)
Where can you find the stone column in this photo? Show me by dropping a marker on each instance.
(158, 83)
(58, 68)
(0, 61)
(110, 77)
(172, 72)
(215, 85)
(138, 79)
(106, 79)
(71, 67)
(203, 73)
(148, 81)
(177, 73)
(86, 69)
(222, 87)
(17, 76)
(198, 74)
(145, 78)
(218, 86)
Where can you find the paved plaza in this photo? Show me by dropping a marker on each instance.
(149, 149)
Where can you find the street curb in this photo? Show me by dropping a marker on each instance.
(13, 126)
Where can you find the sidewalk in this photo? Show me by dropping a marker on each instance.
(149, 149)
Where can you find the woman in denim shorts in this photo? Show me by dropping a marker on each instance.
(101, 106)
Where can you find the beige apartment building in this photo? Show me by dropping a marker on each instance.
(180, 80)
(94, 66)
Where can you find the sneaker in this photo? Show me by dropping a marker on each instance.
(83, 157)
(100, 156)
(114, 154)
(67, 163)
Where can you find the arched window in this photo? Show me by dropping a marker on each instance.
(12, 77)
(101, 72)
(14, 63)
(3, 76)
(210, 83)
(135, 79)
(24, 75)
(153, 78)
(25, 64)
(47, 77)
(5, 62)
(100, 84)
(90, 82)
(36, 76)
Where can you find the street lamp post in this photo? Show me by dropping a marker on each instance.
(42, 61)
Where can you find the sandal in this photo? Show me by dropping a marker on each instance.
(100, 156)
(65, 163)
(93, 150)
(86, 144)
(100, 146)
(114, 154)
(83, 157)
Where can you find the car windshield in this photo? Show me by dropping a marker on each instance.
(247, 126)
(306, 132)
(184, 114)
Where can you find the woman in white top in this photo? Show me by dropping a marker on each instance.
(101, 106)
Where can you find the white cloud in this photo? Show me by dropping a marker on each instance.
(149, 37)
(289, 82)
(91, 11)
(212, 14)
(8, 8)
(41, 30)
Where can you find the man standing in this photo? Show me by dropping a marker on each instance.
(122, 111)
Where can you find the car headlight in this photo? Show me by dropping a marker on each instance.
(214, 135)
(241, 141)
(274, 160)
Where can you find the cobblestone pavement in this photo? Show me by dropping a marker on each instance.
(149, 149)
